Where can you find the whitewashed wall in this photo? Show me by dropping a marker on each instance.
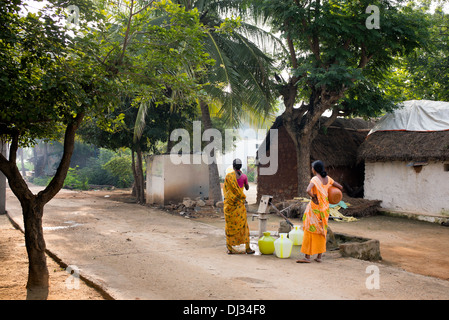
(170, 182)
(401, 188)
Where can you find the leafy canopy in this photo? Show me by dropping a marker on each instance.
(332, 51)
(45, 79)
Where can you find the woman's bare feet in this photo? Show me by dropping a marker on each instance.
(249, 250)
(303, 260)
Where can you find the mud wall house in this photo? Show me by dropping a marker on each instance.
(337, 147)
(408, 167)
(168, 181)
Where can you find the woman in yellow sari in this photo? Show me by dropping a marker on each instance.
(316, 216)
(237, 230)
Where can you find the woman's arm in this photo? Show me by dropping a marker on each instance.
(337, 185)
(311, 194)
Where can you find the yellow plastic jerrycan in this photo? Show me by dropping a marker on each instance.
(296, 235)
(283, 246)
(266, 243)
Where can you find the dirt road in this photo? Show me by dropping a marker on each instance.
(137, 252)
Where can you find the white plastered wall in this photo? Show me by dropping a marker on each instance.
(172, 182)
(402, 188)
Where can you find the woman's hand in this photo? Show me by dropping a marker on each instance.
(315, 199)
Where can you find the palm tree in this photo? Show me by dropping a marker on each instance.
(241, 67)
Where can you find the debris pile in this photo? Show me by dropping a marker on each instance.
(193, 208)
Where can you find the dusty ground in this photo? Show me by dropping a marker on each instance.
(14, 271)
(414, 246)
(186, 257)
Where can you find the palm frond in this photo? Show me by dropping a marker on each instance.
(140, 119)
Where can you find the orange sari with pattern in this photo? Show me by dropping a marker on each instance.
(237, 230)
(315, 219)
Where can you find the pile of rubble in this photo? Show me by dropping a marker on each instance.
(190, 208)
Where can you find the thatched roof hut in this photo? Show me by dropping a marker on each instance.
(407, 159)
(405, 146)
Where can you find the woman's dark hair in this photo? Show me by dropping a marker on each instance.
(237, 164)
(318, 166)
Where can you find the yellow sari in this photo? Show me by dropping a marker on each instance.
(237, 230)
(315, 219)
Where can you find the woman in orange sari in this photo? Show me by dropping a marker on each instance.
(237, 230)
(316, 216)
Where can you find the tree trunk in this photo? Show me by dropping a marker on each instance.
(303, 164)
(38, 277)
(302, 143)
(133, 167)
(139, 184)
(139, 171)
(2, 180)
(214, 177)
(33, 208)
(301, 125)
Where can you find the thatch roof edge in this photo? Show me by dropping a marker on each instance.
(382, 146)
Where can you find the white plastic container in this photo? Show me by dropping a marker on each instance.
(296, 235)
(283, 246)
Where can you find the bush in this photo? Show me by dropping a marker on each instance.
(73, 181)
(121, 167)
(41, 181)
(96, 174)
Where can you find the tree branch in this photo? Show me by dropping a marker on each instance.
(4, 163)
(13, 148)
(139, 11)
(364, 58)
(128, 27)
(331, 119)
(291, 49)
(69, 144)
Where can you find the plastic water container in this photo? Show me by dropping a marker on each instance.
(296, 235)
(283, 246)
(266, 243)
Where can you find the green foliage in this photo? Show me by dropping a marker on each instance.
(45, 79)
(160, 119)
(94, 171)
(109, 168)
(73, 180)
(148, 45)
(122, 169)
(423, 74)
(41, 181)
(335, 53)
(239, 82)
(251, 172)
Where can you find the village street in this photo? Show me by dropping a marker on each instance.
(139, 252)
